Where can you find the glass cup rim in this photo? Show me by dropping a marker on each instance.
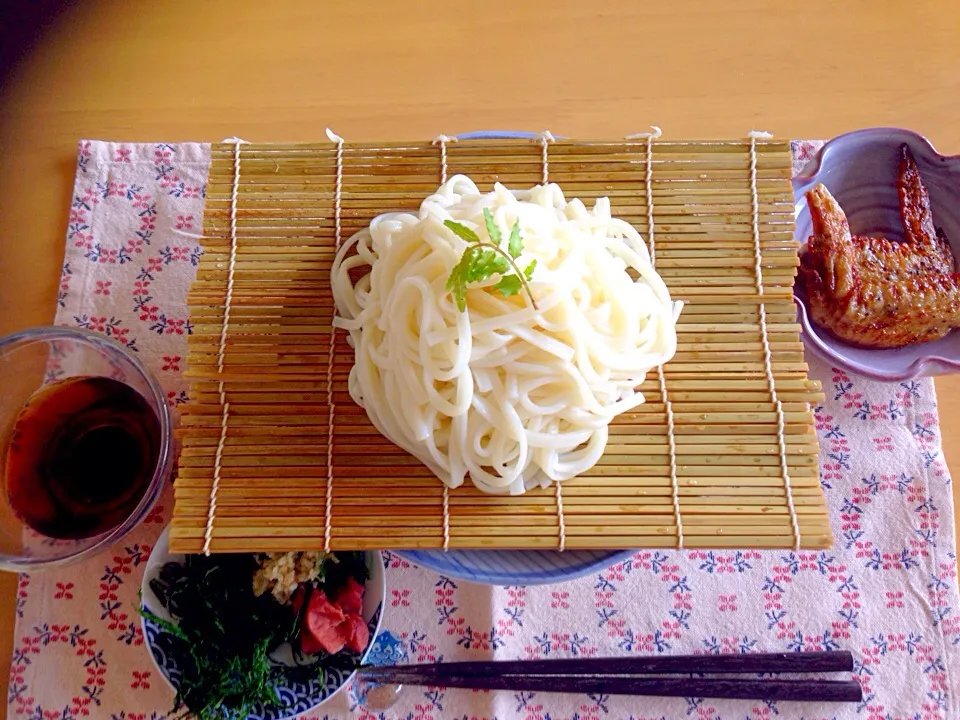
(161, 470)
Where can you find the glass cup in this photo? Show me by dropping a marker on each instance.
(32, 360)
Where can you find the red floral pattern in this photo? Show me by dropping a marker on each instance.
(887, 591)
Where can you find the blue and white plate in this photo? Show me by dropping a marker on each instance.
(296, 696)
(514, 567)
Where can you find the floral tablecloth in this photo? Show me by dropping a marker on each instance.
(888, 591)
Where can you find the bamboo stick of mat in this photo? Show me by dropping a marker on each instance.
(273, 471)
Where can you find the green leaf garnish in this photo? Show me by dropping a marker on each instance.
(457, 282)
(165, 624)
(509, 285)
(515, 244)
(528, 270)
(492, 230)
(486, 263)
(483, 259)
(463, 231)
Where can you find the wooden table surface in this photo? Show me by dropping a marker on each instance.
(178, 70)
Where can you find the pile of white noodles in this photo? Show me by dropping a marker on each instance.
(513, 396)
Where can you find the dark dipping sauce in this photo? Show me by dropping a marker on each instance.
(81, 456)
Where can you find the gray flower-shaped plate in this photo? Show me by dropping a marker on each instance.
(860, 170)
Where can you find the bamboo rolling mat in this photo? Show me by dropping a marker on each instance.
(259, 393)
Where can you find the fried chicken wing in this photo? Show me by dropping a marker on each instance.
(875, 292)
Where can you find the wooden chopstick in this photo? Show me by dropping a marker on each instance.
(718, 688)
(789, 662)
(638, 676)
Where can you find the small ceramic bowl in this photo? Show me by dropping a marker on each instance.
(860, 170)
(296, 697)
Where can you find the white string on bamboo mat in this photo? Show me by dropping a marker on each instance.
(446, 517)
(561, 523)
(222, 349)
(764, 336)
(442, 141)
(544, 139)
(664, 397)
(331, 406)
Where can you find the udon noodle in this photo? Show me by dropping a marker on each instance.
(504, 393)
